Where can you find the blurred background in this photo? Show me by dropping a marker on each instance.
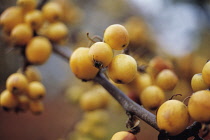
(178, 30)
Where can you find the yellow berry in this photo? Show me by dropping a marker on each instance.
(17, 83)
(57, 31)
(197, 82)
(122, 69)
(157, 64)
(173, 117)
(27, 5)
(23, 103)
(152, 97)
(166, 79)
(101, 54)
(11, 17)
(199, 106)
(8, 100)
(140, 82)
(36, 90)
(34, 18)
(52, 11)
(206, 73)
(32, 74)
(116, 36)
(38, 50)
(36, 107)
(21, 34)
(81, 65)
(123, 135)
(93, 100)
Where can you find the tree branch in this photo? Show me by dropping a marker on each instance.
(132, 107)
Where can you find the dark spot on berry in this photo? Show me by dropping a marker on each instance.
(119, 81)
(124, 45)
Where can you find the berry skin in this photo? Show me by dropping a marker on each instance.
(197, 82)
(101, 54)
(57, 31)
(157, 64)
(11, 17)
(8, 100)
(123, 135)
(38, 50)
(17, 84)
(122, 69)
(140, 82)
(23, 103)
(52, 11)
(36, 107)
(173, 117)
(34, 18)
(206, 73)
(36, 90)
(27, 5)
(21, 34)
(32, 74)
(152, 97)
(81, 65)
(94, 99)
(116, 36)
(166, 79)
(199, 106)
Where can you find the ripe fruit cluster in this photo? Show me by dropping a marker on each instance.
(86, 62)
(199, 104)
(197, 109)
(33, 30)
(94, 103)
(23, 92)
(149, 88)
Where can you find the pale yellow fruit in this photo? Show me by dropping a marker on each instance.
(166, 79)
(57, 31)
(36, 90)
(32, 74)
(8, 100)
(206, 73)
(17, 83)
(140, 82)
(197, 82)
(173, 117)
(101, 54)
(23, 103)
(38, 50)
(199, 106)
(123, 135)
(152, 97)
(21, 34)
(34, 18)
(27, 5)
(93, 100)
(81, 65)
(11, 17)
(36, 107)
(122, 69)
(52, 11)
(116, 36)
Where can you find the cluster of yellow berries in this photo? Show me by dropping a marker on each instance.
(197, 108)
(86, 62)
(33, 31)
(31, 28)
(24, 92)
